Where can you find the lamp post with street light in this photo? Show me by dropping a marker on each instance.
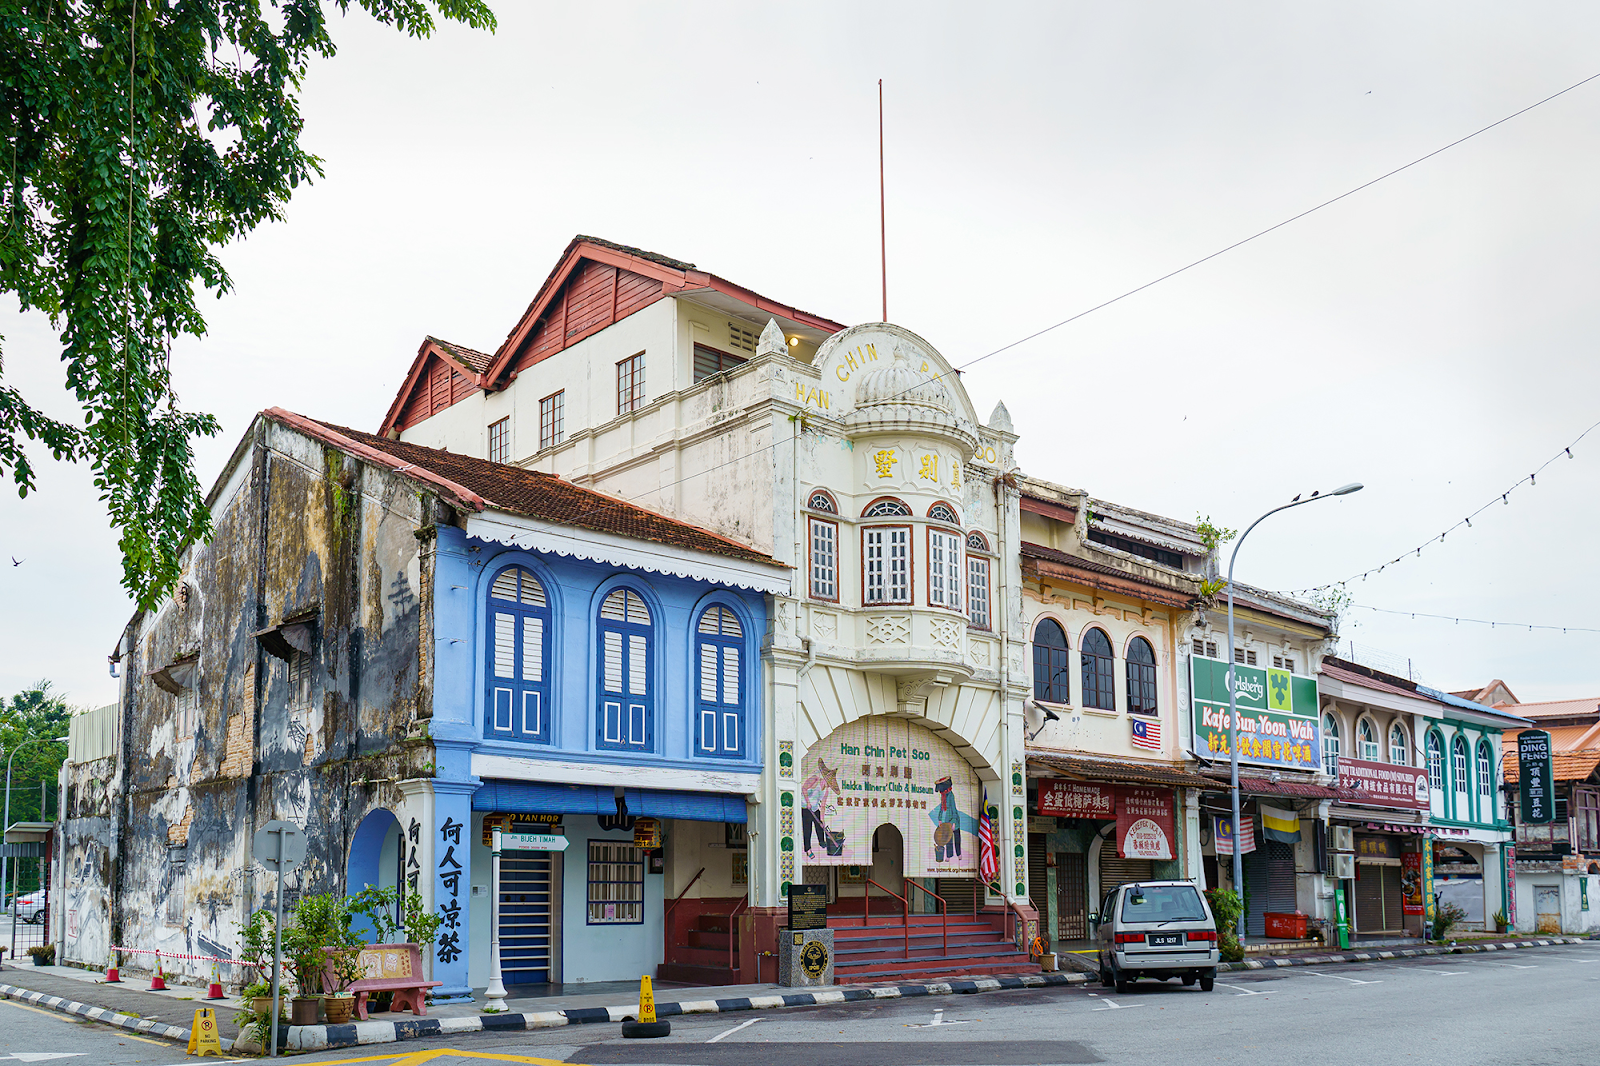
(1233, 707)
(5, 871)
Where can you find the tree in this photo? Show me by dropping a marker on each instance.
(35, 714)
(139, 137)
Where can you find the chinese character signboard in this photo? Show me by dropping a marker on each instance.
(1278, 724)
(1077, 799)
(1146, 824)
(1533, 768)
(1375, 847)
(1386, 785)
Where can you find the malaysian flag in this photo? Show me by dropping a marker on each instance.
(988, 861)
(1146, 733)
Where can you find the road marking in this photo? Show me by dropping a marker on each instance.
(938, 1019)
(1111, 1004)
(735, 1029)
(1446, 973)
(1243, 991)
(1336, 977)
(36, 1010)
(417, 1058)
(1511, 965)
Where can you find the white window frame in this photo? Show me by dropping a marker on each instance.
(979, 615)
(1371, 750)
(1403, 749)
(946, 574)
(823, 574)
(1330, 744)
(883, 582)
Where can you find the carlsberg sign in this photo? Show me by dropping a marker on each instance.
(1278, 722)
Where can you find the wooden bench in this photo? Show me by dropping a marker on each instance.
(393, 968)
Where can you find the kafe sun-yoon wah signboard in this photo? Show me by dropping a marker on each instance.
(1278, 724)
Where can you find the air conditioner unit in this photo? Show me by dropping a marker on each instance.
(1344, 867)
(1344, 838)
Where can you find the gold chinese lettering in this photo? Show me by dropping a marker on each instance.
(884, 460)
(930, 468)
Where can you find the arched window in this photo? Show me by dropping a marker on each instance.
(1330, 745)
(1097, 659)
(822, 500)
(1399, 749)
(1050, 677)
(886, 508)
(625, 719)
(943, 512)
(977, 541)
(1141, 677)
(1458, 760)
(1367, 737)
(518, 705)
(1435, 762)
(720, 645)
(1485, 774)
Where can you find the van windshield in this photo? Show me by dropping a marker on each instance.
(1162, 903)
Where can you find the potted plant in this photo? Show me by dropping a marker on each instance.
(258, 994)
(43, 954)
(1225, 909)
(1501, 923)
(343, 968)
(320, 921)
(255, 947)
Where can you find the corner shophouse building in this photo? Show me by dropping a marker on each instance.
(386, 643)
(1558, 865)
(1105, 590)
(852, 455)
(1278, 642)
(1429, 821)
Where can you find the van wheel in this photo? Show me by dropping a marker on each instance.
(1124, 985)
(1105, 978)
(1188, 979)
(1206, 983)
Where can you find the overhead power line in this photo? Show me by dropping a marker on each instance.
(1503, 498)
(1478, 621)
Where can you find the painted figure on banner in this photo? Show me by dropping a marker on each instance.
(876, 770)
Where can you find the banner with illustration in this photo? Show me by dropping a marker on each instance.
(876, 770)
(1278, 715)
(1411, 882)
(1146, 823)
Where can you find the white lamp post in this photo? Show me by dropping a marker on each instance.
(495, 994)
(1233, 708)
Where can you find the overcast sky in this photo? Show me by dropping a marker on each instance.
(1433, 336)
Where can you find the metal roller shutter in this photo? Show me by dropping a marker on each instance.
(1393, 912)
(1269, 871)
(1038, 874)
(1115, 871)
(961, 894)
(1369, 897)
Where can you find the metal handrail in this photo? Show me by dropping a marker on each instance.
(685, 892)
(944, 910)
(905, 920)
(733, 932)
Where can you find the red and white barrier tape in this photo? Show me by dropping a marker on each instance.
(191, 958)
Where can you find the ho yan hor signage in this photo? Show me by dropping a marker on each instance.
(1278, 724)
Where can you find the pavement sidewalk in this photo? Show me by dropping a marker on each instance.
(153, 1012)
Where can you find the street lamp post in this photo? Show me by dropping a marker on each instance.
(5, 870)
(1233, 706)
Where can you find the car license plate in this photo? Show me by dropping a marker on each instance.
(1166, 940)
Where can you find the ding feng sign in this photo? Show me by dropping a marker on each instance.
(1534, 786)
(1278, 725)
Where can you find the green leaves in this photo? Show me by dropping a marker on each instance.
(138, 138)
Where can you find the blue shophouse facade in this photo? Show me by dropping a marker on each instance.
(583, 680)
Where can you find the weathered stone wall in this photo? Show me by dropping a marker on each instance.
(301, 531)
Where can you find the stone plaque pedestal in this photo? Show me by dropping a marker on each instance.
(805, 958)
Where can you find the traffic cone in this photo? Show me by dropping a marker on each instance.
(214, 990)
(111, 971)
(157, 978)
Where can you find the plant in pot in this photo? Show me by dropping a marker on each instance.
(1225, 908)
(255, 948)
(1501, 923)
(43, 954)
(379, 909)
(320, 921)
(343, 968)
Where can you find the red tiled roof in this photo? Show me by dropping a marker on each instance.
(1254, 785)
(477, 484)
(1578, 708)
(476, 361)
(1107, 578)
(1127, 770)
(1564, 765)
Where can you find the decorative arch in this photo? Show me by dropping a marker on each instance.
(722, 684)
(1052, 676)
(940, 511)
(1485, 775)
(1399, 744)
(518, 625)
(976, 541)
(627, 616)
(1369, 739)
(1098, 662)
(822, 500)
(377, 856)
(886, 507)
(1140, 659)
(1435, 760)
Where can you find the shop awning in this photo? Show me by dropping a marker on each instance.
(1127, 771)
(543, 797)
(1255, 785)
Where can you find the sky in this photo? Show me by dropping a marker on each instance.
(1433, 336)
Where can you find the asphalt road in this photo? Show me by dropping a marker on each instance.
(1533, 1007)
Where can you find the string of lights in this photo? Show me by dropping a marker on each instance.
(1478, 621)
(1503, 498)
(1156, 281)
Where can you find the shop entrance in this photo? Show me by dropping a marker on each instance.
(1269, 873)
(1378, 897)
(1116, 871)
(528, 901)
(1072, 896)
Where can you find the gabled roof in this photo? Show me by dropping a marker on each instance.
(477, 485)
(465, 368)
(674, 275)
(1485, 695)
(1588, 707)
(1564, 765)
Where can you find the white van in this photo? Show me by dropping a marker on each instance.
(1158, 929)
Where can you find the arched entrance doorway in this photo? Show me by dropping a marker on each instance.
(377, 859)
